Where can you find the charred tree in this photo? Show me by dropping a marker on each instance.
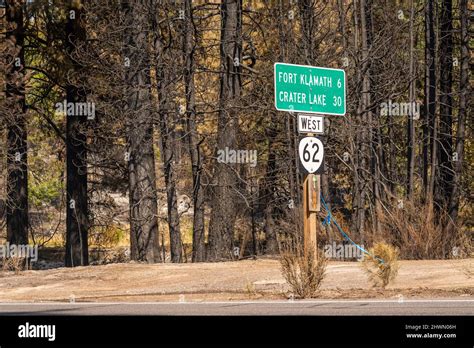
(464, 92)
(16, 123)
(429, 124)
(411, 124)
(223, 215)
(76, 148)
(199, 251)
(444, 182)
(141, 157)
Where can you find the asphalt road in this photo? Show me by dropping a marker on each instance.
(326, 307)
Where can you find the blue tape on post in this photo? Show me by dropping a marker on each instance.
(327, 221)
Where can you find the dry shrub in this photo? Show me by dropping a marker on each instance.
(382, 265)
(15, 264)
(303, 273)
(289, 227)
(419, 233)
(107, 236)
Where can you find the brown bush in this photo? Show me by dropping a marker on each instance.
(303, 272)
(15, 264)
(382, 265)
(419, 232)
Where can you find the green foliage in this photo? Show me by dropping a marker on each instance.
(107, 236)
(45, 183)
(46, 191)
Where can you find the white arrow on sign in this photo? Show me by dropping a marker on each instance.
(311, 153)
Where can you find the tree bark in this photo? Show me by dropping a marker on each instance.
(355, 153)
(168, 155)
(430, 100)
(285, 36)
(268, 196)
(411, 125)
(141, 165)
(199, 246)
(365, 115)
(464, 92)
(17, 160)
(223, 215)
(445, 174)
(165, 67)
(77, 221)
(306, 8)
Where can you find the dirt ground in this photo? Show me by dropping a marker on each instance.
(242, 280)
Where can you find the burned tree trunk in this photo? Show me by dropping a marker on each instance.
(364, 113)
(76, 151)
(168, 140)
(17, 164)
(445, 149)
(199, 251)
(268, 196)
(165, 62)
(167, 123)
(430, 100)
(223, 215)
(464, 90)
(141, 157)
(411, 123)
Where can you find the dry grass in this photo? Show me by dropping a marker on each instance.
(382, 267)
(418, 232)
(15, 264)
(468, 270)
(304, 273)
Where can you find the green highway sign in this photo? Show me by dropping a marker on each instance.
(310, 89)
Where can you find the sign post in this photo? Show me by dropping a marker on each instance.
(310, 90)
(311, 191)
(311, 153)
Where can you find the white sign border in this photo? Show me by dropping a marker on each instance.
(321, 165)
(308, 112)
(306, 132)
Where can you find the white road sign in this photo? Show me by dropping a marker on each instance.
(311, 153)
(310, 124)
